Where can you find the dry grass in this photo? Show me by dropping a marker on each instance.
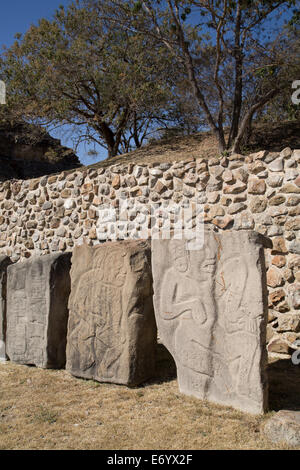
(266, 136)
(168, 150)
(49, 409)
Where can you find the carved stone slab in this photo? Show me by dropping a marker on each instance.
(211, 311)
(37, 310)
(4, 262)
(112, 330)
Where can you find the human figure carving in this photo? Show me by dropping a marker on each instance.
(238, 318)
(105, 339)
(211, 307)
(192, 305)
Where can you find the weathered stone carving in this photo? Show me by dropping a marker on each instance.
(240, 192)
(211, 308)
(112, 329)
(37, 310)
(4, 262)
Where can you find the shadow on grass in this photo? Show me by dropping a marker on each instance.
(284, 385)
(283, 375)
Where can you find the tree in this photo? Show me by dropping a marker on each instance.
(228, 50)
(282, 107)
(78, 69)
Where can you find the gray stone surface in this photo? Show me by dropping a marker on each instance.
(37, 314)
(211, 309)
(112, 329)
(284, 427)
(4, 262)
(252, 197)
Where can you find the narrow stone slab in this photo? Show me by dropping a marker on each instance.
(4, 262)
(211, 311)
(284, 427)
(37, 310)
(112, 329)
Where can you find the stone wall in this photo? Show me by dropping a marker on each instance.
(260, 191)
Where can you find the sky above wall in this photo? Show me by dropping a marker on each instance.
(16, 16)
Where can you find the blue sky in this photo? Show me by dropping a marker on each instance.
(16, 16)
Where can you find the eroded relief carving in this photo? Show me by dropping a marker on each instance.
(38, 291)
(188, 297)
(103, 336)
(210, 306)
(112, 332)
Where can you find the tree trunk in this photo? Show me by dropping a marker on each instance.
(221, 141)
(238, 89)
(112, 152)
(109, 137)
(199, 96)
(248, 118)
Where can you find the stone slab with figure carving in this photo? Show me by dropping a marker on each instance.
(37, 310)
(112, 331)
(211, 310)
(4, 262)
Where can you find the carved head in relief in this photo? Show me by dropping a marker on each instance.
(197, 264)
(181, 256)
(110, 267)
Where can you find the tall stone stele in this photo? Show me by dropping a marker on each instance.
(4, 262)
(37, 310)
(112, 331)
(211, 311)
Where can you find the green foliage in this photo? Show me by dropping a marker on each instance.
(137, 7)
(119, 68)
(78, 69)
(235, 59)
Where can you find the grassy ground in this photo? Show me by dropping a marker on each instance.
(267, 136)
(50, 409)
